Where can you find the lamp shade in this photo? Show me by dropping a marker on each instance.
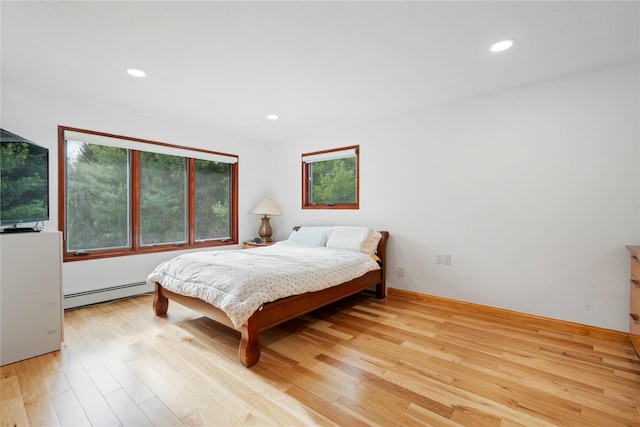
(266, 206)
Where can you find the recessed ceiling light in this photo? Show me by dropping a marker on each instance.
(136, 73)
(502, 45)
(272, 117)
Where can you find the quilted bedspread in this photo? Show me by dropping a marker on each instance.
(239, 281)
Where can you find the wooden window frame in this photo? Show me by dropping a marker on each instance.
(136, 248)
(306, 181)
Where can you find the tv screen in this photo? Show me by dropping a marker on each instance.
(24, 180)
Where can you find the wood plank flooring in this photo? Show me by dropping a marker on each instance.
(357, 362)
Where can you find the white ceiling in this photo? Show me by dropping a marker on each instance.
(318, 65)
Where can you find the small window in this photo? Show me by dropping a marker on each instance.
(330, 179)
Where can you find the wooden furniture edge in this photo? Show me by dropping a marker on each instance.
(250, 244)
(634, 309)
(517, 316)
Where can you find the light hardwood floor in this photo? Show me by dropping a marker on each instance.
(360, 361)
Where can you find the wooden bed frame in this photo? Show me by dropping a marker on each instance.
(279, 311)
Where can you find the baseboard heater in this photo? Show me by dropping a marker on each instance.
(80, 299)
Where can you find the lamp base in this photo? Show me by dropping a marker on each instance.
(265, 230)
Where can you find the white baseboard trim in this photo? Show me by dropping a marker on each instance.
(107, 294)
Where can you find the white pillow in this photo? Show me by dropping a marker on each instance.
(312, 236)
(355, 238)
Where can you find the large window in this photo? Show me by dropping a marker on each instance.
(330, 179)
(121, 196)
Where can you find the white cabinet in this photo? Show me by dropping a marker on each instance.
(30, 295)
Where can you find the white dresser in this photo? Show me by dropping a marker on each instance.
(30, 295)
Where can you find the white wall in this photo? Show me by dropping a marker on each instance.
(533, 191)
(36, 117)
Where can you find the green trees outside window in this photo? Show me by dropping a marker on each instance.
(212, 200)
(333, 181)
(163, 199)
(98, 196)
(330, 179)
(120, 199)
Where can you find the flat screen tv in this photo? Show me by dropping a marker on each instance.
(24, 182)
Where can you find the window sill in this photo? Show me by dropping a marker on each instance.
(91, 255)
(332, 206)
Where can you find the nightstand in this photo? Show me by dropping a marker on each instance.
(251, 244)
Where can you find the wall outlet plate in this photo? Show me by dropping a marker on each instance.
(443, 259)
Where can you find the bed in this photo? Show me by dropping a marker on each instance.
(270, 314)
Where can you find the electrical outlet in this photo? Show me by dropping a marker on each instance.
(443, 259)
(400, 271)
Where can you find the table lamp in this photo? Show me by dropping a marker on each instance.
(265, 206)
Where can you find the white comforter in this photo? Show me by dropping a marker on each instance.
(239, 281)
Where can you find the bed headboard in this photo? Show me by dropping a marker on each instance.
(382, 246)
